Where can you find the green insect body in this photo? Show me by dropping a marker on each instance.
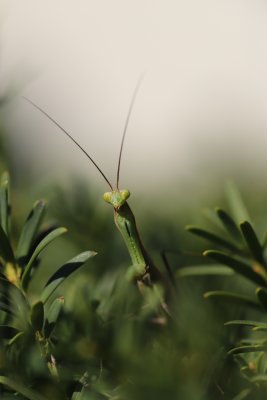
(125, 222)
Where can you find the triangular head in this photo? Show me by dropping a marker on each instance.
(116, 198)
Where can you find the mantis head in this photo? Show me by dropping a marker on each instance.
(117, 197)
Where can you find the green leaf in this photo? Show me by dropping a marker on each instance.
(8, 332)
(211, 237)
(15, 338)
(232, 297)
(42, 233)
(236, 203)
(30, 228)
(30, 394)
(260, 329)
(209, 269)
(246, 323)
(259, 378)
(37, 316)
(4, 202)
(262, 296)
(229, 224)
(240, 267)
(252, 241)
(45, 242)
(248, 349)
(52, 316)
(64, 272)
(6, 251)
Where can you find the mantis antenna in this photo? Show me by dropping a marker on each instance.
(71, 138)
(140, 80)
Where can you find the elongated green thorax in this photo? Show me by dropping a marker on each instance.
(125, 222)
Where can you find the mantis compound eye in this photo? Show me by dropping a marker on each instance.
(125, 194)
(107, 197)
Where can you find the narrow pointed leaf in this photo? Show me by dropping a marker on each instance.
(259, 378)
(8, 332)
(252, 241)
(64, 272)
(52, 316)
(19, 387)
(262, 296)
(232, 297)
(248, 349)
(238, 266)
(236, 203)
(4, 202)
(37, 316)
(229, 224)
(41, 234)
(198, 270)
(15, 338)
(246, 323)
(6, 251)
(211, 237)
(260, 329)
(45, 242)
(30, 228)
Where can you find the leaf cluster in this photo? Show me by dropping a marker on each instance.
(239, 252)
(27, 325)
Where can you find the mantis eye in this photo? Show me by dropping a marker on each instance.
(107, 197)
(125, 194)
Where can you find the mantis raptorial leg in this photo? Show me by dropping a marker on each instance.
(143, 271)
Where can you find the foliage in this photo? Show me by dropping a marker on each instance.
(27, 326)
(93, 339)
(92, 335)
(239, 252)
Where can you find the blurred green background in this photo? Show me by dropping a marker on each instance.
(199, 119)
(188, 361)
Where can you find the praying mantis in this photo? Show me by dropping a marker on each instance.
(143, 270)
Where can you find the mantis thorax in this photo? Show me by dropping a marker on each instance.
(117, 197)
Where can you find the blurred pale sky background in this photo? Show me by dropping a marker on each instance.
(201, 107)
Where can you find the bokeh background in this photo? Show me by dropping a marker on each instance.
(200, 115)
(199, 119)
